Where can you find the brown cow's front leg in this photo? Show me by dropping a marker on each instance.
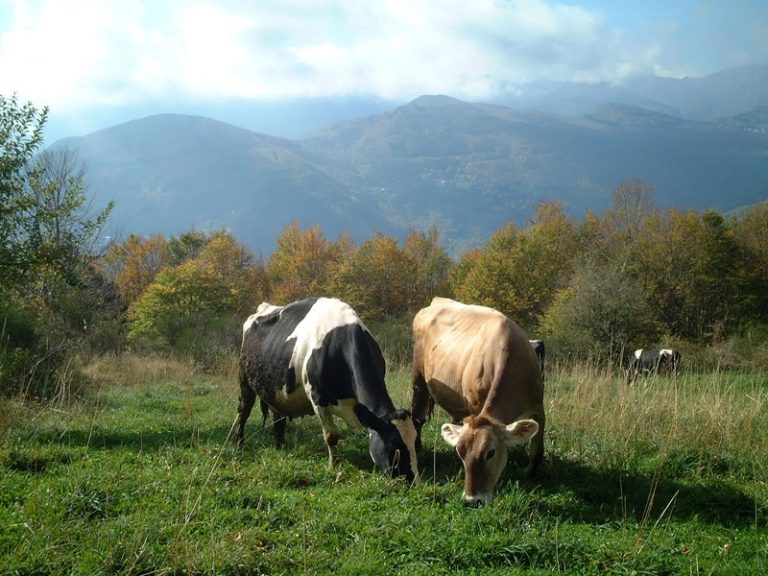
(421, 402)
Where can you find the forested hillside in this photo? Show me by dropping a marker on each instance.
(465, 168)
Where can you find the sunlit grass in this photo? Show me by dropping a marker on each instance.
(662, 477)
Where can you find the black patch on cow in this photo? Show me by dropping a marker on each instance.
(348, 364)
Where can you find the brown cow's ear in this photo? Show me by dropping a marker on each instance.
(520, 432)
(451, 433)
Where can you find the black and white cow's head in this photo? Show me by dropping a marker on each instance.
(392, 442)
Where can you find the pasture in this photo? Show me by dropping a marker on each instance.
(662, 477)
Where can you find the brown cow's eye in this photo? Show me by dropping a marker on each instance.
(490, 454)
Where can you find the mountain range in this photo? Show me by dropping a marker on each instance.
(465, 167)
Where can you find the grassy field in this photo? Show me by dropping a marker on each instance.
(663, 477)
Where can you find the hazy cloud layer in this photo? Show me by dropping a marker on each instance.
(81, 53)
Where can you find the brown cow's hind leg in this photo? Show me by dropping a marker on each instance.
(536, 454)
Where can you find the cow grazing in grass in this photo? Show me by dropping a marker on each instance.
(480, 367)
(317, 356)
(538, 347)
(648, 362)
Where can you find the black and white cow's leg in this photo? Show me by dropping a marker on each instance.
(279, 423)
(247, 400)
(330, 432)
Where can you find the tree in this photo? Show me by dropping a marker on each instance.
(518, 271)
(431, 266)
(201, 302)
(49, 291)
(696, 276)
(489, 281)
(751, 233)
(235, 265)
(191, 295)
(45, 225)
(186, 246)
(133, 264)
(632, 206)
(21, 134)
(61, 232)
(299, 266)
(602, 312)
(376, 279)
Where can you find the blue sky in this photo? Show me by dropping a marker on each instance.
(83, 58)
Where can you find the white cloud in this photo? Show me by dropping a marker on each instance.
(79, 53)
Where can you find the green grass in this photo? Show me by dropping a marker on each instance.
(658, 478)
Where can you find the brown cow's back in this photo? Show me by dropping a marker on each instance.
(467, 353)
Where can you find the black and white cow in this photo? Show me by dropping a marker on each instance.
(538, 347)
(647, 361)
(317, 356)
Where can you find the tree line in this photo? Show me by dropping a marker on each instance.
(629, 276)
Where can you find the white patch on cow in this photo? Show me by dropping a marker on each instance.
(638, 352)
(263, 309)
(325, 315)
(666, 352)
(294, 404)
(345, 410)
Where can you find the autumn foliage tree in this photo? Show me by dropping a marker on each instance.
(632, 275)
(300, 265)
(751, 232)
(431, 267)
(200, 303)
(376, 279)
(133, 264)
(519, 270)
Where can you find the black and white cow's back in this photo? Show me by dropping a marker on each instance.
(317, 356)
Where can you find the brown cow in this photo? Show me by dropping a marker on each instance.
(479, 366)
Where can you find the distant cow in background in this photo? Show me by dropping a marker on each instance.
(647, 361)
(538, 347)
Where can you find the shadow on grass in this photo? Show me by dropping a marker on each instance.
(582, 493)
(98, 438)
(564, 488)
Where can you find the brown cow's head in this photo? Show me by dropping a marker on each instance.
(481, 443)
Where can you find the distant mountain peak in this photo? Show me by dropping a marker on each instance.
(433, 100)
(464, 167)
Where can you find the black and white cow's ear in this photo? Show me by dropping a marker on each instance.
(368, 418)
